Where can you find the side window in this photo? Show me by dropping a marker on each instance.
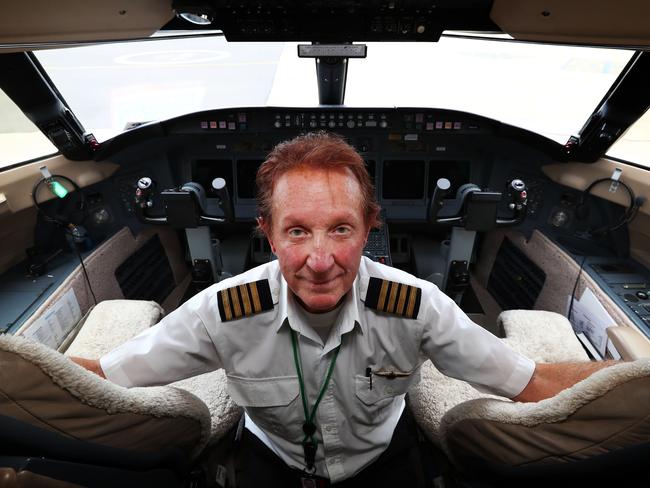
(20, 140)
(634, 145)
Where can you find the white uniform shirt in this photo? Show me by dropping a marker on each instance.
(354, 422)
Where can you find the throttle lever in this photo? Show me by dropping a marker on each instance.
(220, 188)
(442, 188)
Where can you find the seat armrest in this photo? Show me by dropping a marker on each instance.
(629, 342)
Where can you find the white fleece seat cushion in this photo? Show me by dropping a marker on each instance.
(111, 323)
(605, 412)
(114, 322)
(212, 390)
(545, 337)
(541, 336)
(42, 387)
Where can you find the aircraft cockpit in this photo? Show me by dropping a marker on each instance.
(508, 144)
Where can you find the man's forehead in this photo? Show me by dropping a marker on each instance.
(333, 187)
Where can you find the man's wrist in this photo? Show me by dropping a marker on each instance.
(91, 365)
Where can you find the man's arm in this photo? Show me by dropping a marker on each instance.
(550, 379)
(91, 365)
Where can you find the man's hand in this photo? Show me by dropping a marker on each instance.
(91, 365)
(550, 379)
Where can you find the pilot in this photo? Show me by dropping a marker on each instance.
(321, 345)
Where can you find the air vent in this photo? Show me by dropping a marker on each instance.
(146, 274)
(515, 281)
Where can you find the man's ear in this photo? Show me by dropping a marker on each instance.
(264, 226)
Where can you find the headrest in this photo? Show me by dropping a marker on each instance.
(605, 412)
(41, 387)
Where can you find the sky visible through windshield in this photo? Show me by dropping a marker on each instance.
(548, 89)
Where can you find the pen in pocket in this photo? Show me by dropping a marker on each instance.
(369, 375)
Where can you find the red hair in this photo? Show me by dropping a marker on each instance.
(320, 150)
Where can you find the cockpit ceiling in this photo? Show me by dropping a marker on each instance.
(597, 22)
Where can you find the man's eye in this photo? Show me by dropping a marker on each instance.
(342, 230)
(296, 232)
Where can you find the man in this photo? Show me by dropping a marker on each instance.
(320, 346)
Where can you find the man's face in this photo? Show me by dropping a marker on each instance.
(318, 232)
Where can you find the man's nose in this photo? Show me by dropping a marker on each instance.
(320, 258)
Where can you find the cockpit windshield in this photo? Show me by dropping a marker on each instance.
(547, 89)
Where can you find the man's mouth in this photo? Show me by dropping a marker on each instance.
(321, 282)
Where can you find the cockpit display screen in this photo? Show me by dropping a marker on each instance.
(457, 172)
(246, 172)
(206, 170)
(403, 180)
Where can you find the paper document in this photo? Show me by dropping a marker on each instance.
(589, 317)
(55, 324)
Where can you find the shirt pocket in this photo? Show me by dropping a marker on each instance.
(375, 405)
(272, 403)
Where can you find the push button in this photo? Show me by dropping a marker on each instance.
(642, 295)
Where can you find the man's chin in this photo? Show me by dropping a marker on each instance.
(320, 303)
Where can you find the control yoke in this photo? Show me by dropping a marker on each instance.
(185, 207)
(476, 209)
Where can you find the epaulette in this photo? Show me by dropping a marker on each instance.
(244, 300)
(394, 298)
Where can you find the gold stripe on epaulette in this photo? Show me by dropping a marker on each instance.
(256, 298)
(393, 298)
(244, 300)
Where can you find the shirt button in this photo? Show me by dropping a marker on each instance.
(389, 390)
(328, 428)
(331, 461)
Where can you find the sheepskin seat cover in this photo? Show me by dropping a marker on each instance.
(113, 322)
(607, 411)
(545, 337)
(43, 388)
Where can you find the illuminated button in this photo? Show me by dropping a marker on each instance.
(223, 124)
(457, 125)
(371, 123)
(448, 125)
(429, 126)
(331, 124)
(439, 125)
(213, 124)
(419, 118)
(241, 118)
(383, 124)
(350, 124)
(232, 126)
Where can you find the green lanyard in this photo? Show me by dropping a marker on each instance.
(309, 442)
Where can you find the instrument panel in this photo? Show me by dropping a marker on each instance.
(406, 150)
